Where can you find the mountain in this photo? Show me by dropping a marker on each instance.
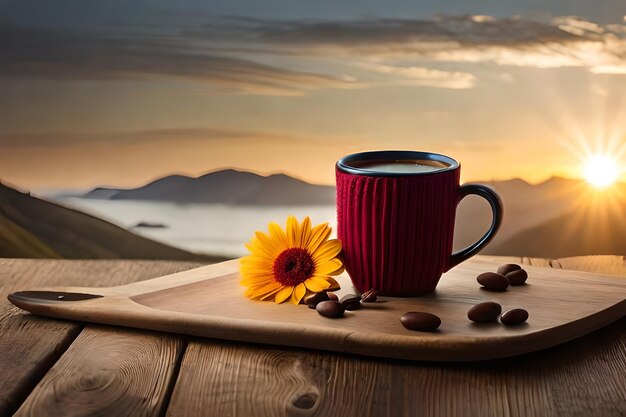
(536, 217)
(101, 193)
(225, 187)
(576, 233)
(525, 206)
(35, 228)
(563, 218)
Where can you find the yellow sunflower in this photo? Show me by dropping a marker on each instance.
(286, 265)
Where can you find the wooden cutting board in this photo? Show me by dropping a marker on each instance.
(209, 301)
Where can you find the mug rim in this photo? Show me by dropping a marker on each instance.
(342, 164)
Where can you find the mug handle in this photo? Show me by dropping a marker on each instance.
(497, 210)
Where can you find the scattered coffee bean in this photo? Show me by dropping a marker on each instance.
(332, 296)
(506, 268)
(493, 281)
(517, 277)
(515, 316)
(420, 321)
(484, 312)
(330, 308)
(351, 302)
(314, 299)
(369, 296)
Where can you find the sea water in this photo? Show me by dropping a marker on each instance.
(214, 229)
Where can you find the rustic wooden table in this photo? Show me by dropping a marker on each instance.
(59, 368)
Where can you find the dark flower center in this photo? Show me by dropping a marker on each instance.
(293, 266)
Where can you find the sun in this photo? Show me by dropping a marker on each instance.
(601, 171)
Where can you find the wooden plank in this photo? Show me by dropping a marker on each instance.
(578, 379)
(254, 380)
(109, 372)
(30, 345)
(215, 307)
(588, 377)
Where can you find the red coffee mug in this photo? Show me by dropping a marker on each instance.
(397, 228)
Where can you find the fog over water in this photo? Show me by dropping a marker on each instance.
(202, 228)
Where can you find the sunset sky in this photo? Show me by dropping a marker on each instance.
(119, 93)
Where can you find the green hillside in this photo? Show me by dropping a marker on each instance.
(35, 228)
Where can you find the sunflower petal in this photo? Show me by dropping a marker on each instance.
(319, 234)
(270, 294)
(298, 293)
(305, 232)
(328, 267)
(316, 284)
(278, 234)
(339, 271)
(258, 259)
(292, 231)
(283, 294)
(261, 290)
(257, 249)
(253, 280)
(267, 243)
(255, 274)
(259, 264)
(334, 285)
(250, 281)
(327, 251)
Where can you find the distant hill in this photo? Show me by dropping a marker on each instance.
(589, 231)
(557, 218)
(225, 187)
(35, 228)
(535, 216)
(525, 206)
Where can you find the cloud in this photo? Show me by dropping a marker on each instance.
(55, 139)
(512, 41)
(386, 32)
(254, 56)
(424, 77)
(66, 54)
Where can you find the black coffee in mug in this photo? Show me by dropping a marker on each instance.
(400, 166)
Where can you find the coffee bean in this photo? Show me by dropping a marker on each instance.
(332, 296)
(506, 268)
(369, 296)
(314, 299)
(493, 281)
(518, 277)
(420, 321)
(515, 316)
(330, 308)
(484, 312)
(351, 302)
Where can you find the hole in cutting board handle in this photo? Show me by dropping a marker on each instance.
(38, 296)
